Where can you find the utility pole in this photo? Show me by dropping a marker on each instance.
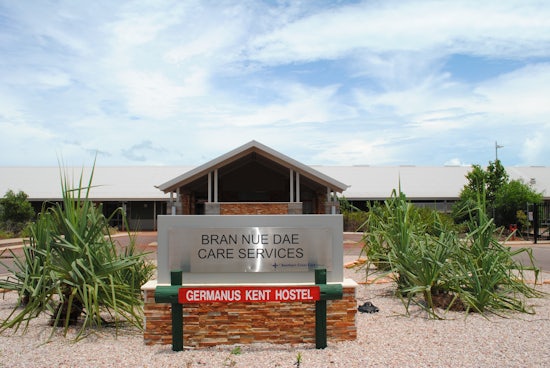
(497, 146)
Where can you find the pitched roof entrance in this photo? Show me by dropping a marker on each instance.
(253, 151)
(253, 173)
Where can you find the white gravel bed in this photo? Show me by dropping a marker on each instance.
(388, 338)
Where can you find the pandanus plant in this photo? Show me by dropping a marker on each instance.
(72, 268)
(472, 273)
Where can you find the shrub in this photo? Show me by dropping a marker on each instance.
(353, 216)
(354, 220)
(436, 222)
(71, 269)
(523, 220)
(15, 212)
(485, 274)
(476, 273)
(5, 234)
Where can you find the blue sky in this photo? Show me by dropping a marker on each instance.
(379, 83)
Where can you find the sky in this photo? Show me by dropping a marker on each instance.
(376, 82)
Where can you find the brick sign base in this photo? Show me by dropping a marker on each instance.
(220, 323)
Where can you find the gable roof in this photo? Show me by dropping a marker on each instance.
(260, 149)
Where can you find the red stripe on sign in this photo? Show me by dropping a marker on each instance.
(249, 294)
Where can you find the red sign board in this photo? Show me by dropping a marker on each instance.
(249, 294)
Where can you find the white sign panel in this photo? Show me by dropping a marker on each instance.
(267, 248)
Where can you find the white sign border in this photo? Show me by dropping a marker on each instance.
(166, 222)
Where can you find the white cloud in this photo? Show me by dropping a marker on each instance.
(535, 149)
(25, 143)
(217, 44)
(482, 28)
(52, 79)
(11, 108)
(19, 131)
(139, 23)
(152, 95)
(455, 162)
(357, 151)
(340, 83)
(522, 94)
(451, 112)
(299, 105)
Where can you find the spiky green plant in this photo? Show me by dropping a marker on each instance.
(391, 232)
(71, 269)
(476, 273)
(491, 279)
(298, 362)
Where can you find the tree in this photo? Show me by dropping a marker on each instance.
(477, 179)
(483, 182)
(495, 177)
(15, 211)
(502, 196)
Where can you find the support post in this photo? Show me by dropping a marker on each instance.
(291, 185)
(320, 312)
(297, 187)
(209, 186)
(216, 186)
(177, 314)
(535, 223)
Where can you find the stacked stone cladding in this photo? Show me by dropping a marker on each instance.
(209, 324)
(254, 208)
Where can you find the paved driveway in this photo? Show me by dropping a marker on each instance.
(541, 250)
(146, 241)
(541, 254)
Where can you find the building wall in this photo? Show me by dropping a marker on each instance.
(253, 208)
(209, 324)
(189, 207)
(187, 203)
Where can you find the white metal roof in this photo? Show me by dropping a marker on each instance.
(110, 183)
(423, 182)
(365, 182)
(370, 182)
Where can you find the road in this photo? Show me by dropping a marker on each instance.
(146, 241)
(541, 251)
(541, 255)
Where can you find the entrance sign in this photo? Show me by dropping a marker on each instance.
(249, 249)
(249, 294)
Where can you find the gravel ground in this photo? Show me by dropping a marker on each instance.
(385, 339)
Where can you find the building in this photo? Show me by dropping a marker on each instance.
(250, 175)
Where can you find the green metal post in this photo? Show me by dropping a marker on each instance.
(177, 315)
(320, 312)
